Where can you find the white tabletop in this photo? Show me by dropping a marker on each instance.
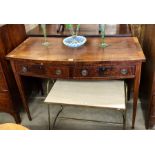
(103, 94)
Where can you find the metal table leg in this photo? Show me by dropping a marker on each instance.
(57, 116)
(124, 119)
(49, 117)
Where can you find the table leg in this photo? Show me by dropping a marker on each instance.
(129, 84)
(136, 92)
(57, 116)
(17, 118)
(21, 90)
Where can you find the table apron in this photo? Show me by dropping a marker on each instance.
(73, 71)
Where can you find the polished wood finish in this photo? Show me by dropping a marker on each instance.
(110, 71)
(119, 49)
(3, 84)
(148, 75)
(72, 71)
(21, 90)
(122, 59)
(11, 35)
(136, 91)
(89, 30)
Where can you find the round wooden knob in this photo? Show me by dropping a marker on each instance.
(24, 69)
(124, 71)
(84, 72)
(58, 72)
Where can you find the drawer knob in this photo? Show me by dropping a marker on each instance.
(24, 69)
(124, 71)
(58, 72)
(84, 72)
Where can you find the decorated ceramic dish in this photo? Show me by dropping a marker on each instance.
(74, 42)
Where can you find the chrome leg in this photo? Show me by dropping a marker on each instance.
(49, 116)
(57, 116)
(123, 112)
(124, 119)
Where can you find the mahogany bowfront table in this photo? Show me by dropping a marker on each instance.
(122, 59)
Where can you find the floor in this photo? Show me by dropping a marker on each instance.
(75, 117)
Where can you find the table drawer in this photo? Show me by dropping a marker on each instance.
(30, 68)
(42, 70)
(58, 71)
(103, 71)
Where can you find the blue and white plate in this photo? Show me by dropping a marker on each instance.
(74, 42)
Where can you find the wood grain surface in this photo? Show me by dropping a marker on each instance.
(119, 49)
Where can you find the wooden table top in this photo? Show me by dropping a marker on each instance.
(119, 49)
(122, 30)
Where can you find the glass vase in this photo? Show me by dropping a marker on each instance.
(45, 43)
(102, 30)
(74, 30)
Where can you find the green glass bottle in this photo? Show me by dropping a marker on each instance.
(102, 29)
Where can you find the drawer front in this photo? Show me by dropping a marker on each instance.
(82, 72)
(3, 84)
(30, 68)
(103, 71)
(5, 101)
(58, 71)
(42, 70)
